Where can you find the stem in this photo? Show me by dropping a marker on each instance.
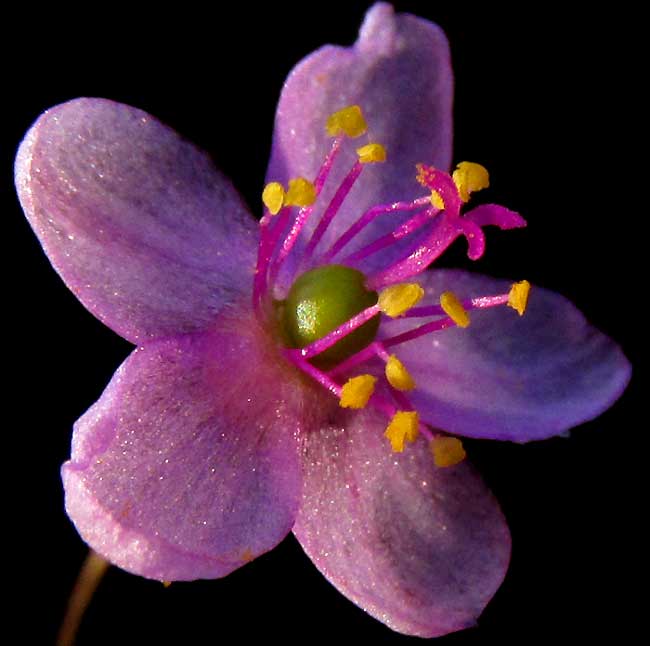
(91, 573)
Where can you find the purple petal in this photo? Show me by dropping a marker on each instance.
(399, 72)
(187, 467)
(138, 223)
(421, 549)
(508, 377)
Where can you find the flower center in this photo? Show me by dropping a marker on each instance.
(321, 300)
(330, 316)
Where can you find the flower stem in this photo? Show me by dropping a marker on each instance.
(90, 575)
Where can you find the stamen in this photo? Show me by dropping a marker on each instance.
(348, 121)
(301, 193)
(273, 197)
(357, 391)
(427, 328)
(379, 348)
(440, 212)
(305, 212)
(398, 376)
(447, 228)
(374, 349)
(412, 224)
(371, 153)
(403, 427)
(481, 302)
(312, 371)
(269, 237)
(518, 297)
(397, 299)
(470, 177)
(454, 309)
(337, 334)
(326, 167)
(447, 451)
(367, 218)
(334, 206)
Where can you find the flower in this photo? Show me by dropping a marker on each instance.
(210, 443)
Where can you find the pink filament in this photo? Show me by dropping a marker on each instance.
(413, 224)
(367, 218)
(334, 206)
(469, 304)
(318, 375)
(305, 211)
(427, 328)
(268, 240)
(444, 232)
(373, 349)
(340, 332)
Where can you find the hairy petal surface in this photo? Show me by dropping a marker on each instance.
(419, 548)
(399, 72)
(139, 224)
(188, 465)
(508, 377)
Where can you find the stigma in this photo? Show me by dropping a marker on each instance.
(332, 320)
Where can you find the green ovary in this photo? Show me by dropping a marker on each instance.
(321, 300)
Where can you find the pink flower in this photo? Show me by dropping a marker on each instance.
(217, 437)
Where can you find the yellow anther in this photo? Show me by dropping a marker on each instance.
(447, 451)
(470, 177)
(371, 153)
(357, 391)
(166, 584)
(398, 376)
(397, 299)
(348, 121)
(518, 296)
(454, 309)
(437, 201)
(301, 193)
(273, 197)
(403, 427)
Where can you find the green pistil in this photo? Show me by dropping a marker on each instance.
(321, 300)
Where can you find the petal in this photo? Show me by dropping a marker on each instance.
(508, 377)
(421, 549)
(399, 72)
(139, 224)
(187, 466)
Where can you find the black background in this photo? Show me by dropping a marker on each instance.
(545, 100)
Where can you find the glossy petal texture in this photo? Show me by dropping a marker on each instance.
(508, 377)
(400, 74)
(421, 549)
(139, 224)
(187, 466)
